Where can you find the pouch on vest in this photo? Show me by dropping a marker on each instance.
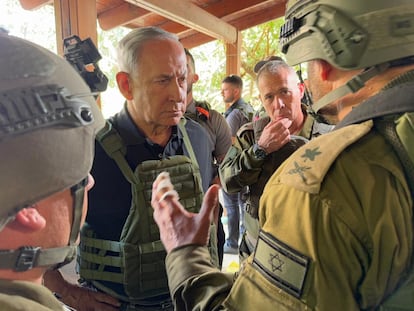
(136, 262)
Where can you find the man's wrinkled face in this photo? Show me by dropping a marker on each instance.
(160, 86)
(281, 94)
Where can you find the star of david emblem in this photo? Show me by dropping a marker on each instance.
(276, 263)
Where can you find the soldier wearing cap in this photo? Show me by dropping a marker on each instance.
(48, 121)
(336, 219)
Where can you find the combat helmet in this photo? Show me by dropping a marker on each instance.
(48, 121)
(371, 35)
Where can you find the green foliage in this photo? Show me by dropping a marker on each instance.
(258, 43)
(210, 58)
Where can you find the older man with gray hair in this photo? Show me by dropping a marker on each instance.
(120, 252)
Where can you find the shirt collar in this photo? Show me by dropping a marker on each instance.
(130, 133)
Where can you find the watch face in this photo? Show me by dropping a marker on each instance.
(259, 152)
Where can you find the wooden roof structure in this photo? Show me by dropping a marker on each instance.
(194, 21)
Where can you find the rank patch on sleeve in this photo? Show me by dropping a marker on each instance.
(280, 264)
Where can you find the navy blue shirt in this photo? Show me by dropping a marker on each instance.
(110, 198)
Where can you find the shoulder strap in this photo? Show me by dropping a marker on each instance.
(202, 104)
(246, 109)
(388, 128)
(187, 143)
(114, 146)
(245, 127)
(382, 104)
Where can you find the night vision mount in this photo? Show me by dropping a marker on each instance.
(84, 57)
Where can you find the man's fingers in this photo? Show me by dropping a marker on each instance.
(209, 208)
(163, 188)
(109, 300)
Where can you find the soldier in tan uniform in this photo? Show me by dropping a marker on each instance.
(48, 121)
(337, 217)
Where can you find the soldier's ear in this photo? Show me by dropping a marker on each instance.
(325, 69)
(30, 218)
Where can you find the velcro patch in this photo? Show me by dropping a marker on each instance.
(280, 264)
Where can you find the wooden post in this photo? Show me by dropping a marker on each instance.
(233, 52)
(75, 17)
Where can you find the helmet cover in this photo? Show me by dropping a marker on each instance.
(48, 121)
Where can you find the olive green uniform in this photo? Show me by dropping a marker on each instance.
(241, 168)
(22, 295)
(336, 234)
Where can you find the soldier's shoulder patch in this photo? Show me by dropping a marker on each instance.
(281, 264)
(306, 168)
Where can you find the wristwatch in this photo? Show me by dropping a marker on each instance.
(259, 152)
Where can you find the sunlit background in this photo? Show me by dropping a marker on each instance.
(258, 42)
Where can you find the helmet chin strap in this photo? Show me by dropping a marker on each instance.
(78, 194)
(352, 86)
(28, 257)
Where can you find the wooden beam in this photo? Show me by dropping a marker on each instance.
(220, 9)
(191, 38)
(34, 4)
(190, 15)
(121, 15)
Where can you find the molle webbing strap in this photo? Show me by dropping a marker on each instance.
(187, 143)
(78, 194)
(114, 146)
(396, 100)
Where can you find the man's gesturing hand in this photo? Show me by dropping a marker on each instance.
(179, 227)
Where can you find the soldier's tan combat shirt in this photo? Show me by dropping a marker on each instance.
(337, 234)
(22, 295)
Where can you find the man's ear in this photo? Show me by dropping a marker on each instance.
(30, 218)
(195, 78)
(237, 91)
(325, 69)
(301, 87)
(124, 84)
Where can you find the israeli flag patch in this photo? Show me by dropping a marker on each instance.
(280, 264)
